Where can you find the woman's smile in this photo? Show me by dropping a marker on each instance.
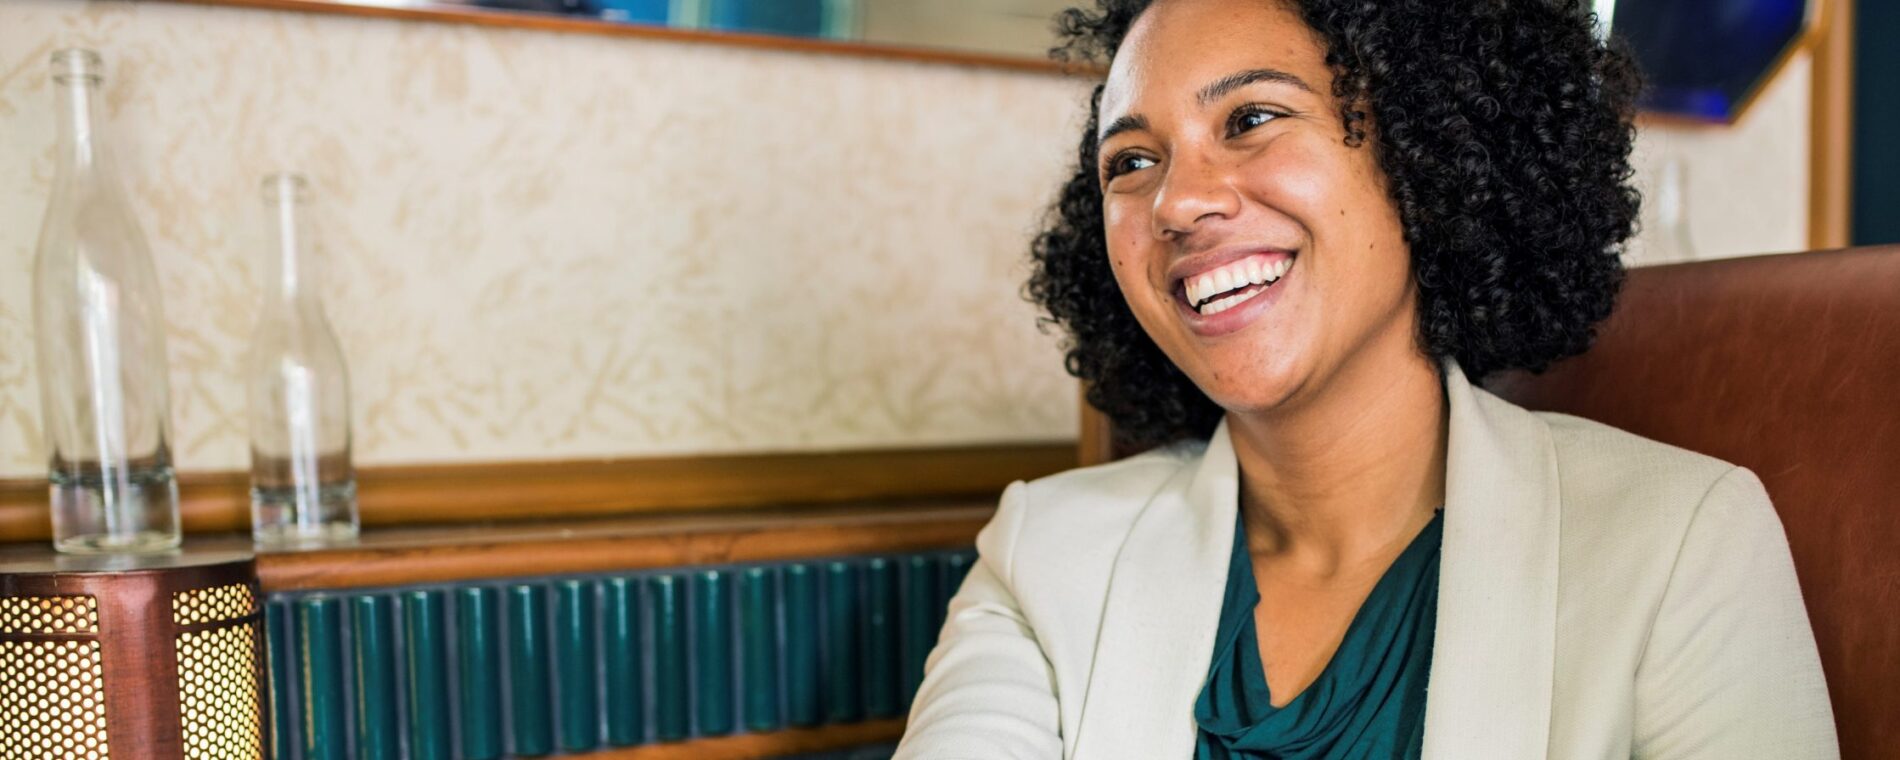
(1225, 291)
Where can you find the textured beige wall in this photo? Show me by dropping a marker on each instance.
(565, 246)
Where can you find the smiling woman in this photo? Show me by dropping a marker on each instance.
(1297, 232)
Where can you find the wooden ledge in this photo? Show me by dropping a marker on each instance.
(491, 492)
(409, 556)
(765, 745)
(403, 556)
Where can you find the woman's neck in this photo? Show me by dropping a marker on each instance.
(1350, 474)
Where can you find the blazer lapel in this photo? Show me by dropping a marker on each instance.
(1494, 649)
(1158, 625)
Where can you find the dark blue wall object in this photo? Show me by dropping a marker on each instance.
(1703, 57)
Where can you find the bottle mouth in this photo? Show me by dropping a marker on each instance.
(78, 64)
(285, 186)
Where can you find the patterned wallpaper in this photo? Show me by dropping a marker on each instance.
(562, 246)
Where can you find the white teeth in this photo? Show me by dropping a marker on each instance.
(1222, 304)
(1231, 277)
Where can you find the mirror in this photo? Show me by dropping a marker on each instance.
(1013, 33)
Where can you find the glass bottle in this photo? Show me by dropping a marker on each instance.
(303, 487)
(1672, 210)
(100, 339)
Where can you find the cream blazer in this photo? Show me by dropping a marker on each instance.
(1600, 596)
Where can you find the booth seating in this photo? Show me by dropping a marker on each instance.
(1788, 365)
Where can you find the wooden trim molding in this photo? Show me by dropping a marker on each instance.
(1831, 127)
(552, 23)
(766, 745)
(513, 491)
(1097, 443)
(438, 555)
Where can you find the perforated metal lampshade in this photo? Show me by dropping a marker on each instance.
(132, 658)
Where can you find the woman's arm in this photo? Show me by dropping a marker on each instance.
(1731, 671)
(988, 691)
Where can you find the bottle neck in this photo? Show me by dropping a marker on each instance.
(80, 151)
(1672, 206)
(292, 272)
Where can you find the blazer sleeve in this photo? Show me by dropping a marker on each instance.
(988, 691)
(1731, 670)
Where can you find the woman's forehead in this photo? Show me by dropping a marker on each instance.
(1177, 48)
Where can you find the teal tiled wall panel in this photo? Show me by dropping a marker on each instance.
(578, 664)
(530, 705)
(671, 708)
(759, 646)
(320, 664)
(880, 638)
(712, 684)
(534, 667)
(799, 649)
(478, 670)
(377, 735)
(622, 662)
(425, 645)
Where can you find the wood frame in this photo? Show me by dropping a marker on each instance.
(490, 18)
(410, 555)
(764, 745)
(1831, 127)
(517, 491)
(1097, 442)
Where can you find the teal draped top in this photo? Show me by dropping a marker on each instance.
(1368, 703)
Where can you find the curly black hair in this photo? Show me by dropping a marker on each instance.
(1504, 129)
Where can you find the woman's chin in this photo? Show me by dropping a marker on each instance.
(1257, 394)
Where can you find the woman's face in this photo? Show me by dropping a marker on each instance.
(1258, 250)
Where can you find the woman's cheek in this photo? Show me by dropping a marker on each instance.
(1295, 180)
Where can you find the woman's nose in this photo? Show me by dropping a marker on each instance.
(1194, 192)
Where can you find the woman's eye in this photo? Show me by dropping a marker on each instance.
(1127, 162)
(1248, 118)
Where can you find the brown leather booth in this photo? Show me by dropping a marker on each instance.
(1790, 366)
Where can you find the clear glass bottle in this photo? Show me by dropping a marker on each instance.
(100, 338)
(303, 486)
(1672, 210)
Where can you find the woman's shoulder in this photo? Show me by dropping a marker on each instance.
(1623, 493)
(1610, 461)
(1111, 493)
(1071, 516)
(1120, 480)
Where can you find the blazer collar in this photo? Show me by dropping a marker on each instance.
(1491, 676)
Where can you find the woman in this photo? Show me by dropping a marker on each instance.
(1300, 231)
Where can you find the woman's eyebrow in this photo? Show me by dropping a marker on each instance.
(1219, 87)
(1123, 124)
